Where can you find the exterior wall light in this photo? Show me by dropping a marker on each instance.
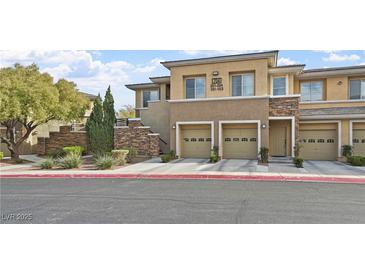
(263, 126)
(173, 127)
(215, 73)
(339, 83)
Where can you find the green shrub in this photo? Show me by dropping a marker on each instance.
(297, 149)
(264, 154)
(19, 161)
(298, 162)
(356, 160)
(104, 162)
(71, 160)
(172, 154)
(346, 150)
(49, 163)
(119, 156)
(165, 158)
(132, 153)
(73, 149)
(55, 154)
(1, 155)
(214, 155)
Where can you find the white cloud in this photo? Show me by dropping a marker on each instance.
(217, 52)
(286, 61)
(335, 57)
(90, 75)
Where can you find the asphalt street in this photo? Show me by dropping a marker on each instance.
(73, 201)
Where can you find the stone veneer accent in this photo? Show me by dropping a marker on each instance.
(58, 140)
(137, 137)
(286, 106)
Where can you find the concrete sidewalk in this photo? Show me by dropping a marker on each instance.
(201, 169)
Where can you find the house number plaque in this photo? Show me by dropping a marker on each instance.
(217, 83)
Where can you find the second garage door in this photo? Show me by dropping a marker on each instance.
(358, 139)
(196, 142)
(319, 144)
(239, 143)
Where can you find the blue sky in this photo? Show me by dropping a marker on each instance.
(94, 70)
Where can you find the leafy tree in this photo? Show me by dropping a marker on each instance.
(29, 98)
(109, 119)
(95, 128)
(127, 111)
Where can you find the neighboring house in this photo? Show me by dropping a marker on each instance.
(241, 103)
(30, 145)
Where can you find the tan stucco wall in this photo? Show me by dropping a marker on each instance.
(259, 67)
(235, 109)
(157, 117)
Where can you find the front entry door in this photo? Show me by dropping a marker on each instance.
(278, 141)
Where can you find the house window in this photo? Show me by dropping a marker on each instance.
(311, 91)
(357, 89)
(243, 84)
(195, 88)
(150, 95)
(279, 86)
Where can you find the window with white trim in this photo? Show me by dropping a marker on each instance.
(357, 89)
(195, 88)
(279, 86)
(311, 91)
(243, 84)
(150, 95)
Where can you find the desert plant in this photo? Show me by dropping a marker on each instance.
(104, 162)
(71, 160)
(214, 155)
(1, 155)
(297, 149)
(132, 153)
(165, 158)
(119, 156)
(264, 154)
(73, 149)
(56, 154)
(346, 151)
(172, 154)
(48, 163)
(356, 160)
(298, 162)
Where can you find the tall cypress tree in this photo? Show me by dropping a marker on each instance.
(95, 130)
(109, 119)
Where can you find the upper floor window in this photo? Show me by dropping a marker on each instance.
(279, 86)
(357, 89)
(311, 91)
(243, 84)
(150, 95)
(195, 87)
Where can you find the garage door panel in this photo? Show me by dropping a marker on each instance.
(196, 143)
(239, 143)
(358, 142)
(318, 144)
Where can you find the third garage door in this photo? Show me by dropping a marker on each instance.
(358, 139)
(319, 144)
(239, 141)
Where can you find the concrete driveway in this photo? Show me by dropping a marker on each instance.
(181, 166)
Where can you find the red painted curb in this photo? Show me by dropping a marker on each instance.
(198, 176)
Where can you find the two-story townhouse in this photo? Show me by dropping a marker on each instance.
(241, 103)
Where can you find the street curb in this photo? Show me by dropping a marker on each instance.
(274, 178)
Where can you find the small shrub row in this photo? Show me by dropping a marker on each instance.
(1, 155)
(298, 162)
(74, 149)
(214, 157)
(104, 162)
(264, 155)
(356, 160)
(165, 158)
(120, 156)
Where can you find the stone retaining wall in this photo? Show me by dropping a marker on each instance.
(58, 140)
(137, 137)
